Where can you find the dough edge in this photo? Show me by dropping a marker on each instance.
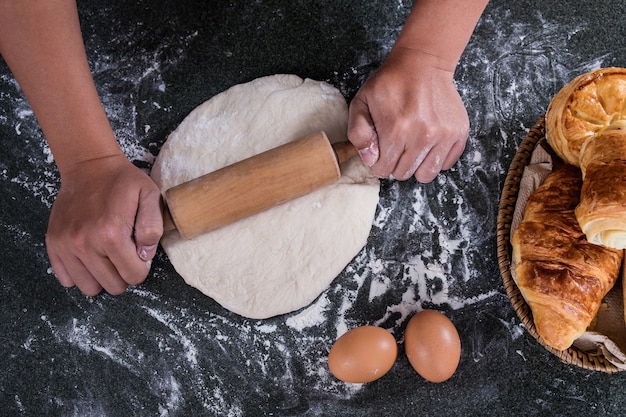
(261, 278)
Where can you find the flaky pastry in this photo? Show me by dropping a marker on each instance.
(562, 276)
(602, 209)
(589, 104)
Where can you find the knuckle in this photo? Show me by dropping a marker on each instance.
(91, 290)
(429, 135)
(112, 233)
(80, 244)
(360, 134)
(381, 171)
(136, 279)
(426, 175)
(149, 232)
(117, 289)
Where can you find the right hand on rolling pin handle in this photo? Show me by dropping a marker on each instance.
(408, 119)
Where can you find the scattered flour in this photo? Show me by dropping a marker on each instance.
(310, 316)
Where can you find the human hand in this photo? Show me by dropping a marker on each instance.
(408, 119)
(105, 226)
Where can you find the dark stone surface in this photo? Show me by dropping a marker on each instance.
(163, 348)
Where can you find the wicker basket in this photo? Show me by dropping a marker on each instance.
(506, 209)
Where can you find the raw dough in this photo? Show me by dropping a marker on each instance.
(282, 259)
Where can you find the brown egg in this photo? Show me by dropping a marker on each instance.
(433, 346)
(362, 354)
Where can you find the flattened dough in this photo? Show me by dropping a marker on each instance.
(282, 259)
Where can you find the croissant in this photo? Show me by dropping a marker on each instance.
(562, 276)
(602, 209)
(587, 105)
(589, 111)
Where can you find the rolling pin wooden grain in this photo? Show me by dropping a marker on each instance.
(254, 184)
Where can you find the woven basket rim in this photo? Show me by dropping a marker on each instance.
(506, 208)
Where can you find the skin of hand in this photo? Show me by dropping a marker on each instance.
(104, 226)
(411, 115)
(408, 119)
(106, 222)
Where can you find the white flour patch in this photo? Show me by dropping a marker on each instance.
(310, 316)
(266, 328)
(188, 347)
(516, 329)
(378, 287)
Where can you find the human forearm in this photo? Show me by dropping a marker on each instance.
(106, 221)
(440, 29)
(42, 44)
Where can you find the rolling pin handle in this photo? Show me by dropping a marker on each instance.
(344, 151)
(168, 222)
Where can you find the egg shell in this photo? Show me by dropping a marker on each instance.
(432, 345)
(362, 354)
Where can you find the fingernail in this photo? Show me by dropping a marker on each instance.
(144, 252)
(370, 154)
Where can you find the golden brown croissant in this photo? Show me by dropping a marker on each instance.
(602, 209)
(589, 104)
(586, 112)
(562, 277)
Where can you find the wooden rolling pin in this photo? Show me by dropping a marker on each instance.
(253, 185)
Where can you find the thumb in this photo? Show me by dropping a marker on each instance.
(362, 132)
(148, 225)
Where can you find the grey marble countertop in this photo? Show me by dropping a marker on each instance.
(163, 348)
